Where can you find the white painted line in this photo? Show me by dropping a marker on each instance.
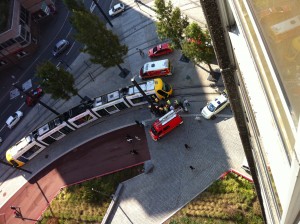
(69, 31)
(57, 66)
(21, 105)
(92, 7)
(70, 48)
(3, 127)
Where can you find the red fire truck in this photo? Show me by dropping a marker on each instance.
(165, 124)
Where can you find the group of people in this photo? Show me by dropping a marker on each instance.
(162, 107)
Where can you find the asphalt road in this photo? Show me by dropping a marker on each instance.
(103, 155)
(51, 30)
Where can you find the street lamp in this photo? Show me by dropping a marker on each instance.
(144, 94)
(105, 17)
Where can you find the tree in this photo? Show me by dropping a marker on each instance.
(171, 23)
(197, 45)
(57, 82)
(102, 44)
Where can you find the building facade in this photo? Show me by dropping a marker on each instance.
(20, 37)
(262, 42)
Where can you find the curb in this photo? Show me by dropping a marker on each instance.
(112, 203)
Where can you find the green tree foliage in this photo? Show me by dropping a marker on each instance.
(171, 23)
(74, 5)
(102, 44)
(57, 82)
(197, 45)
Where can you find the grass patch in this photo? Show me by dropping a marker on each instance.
(227, 201)
(79, 204)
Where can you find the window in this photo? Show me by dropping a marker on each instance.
(48, 140)
(138, 100)
(56, 135)
(83, 120)
(21, 54)
(102, 112)
(111, 109)
(166, 128)
(162, 93)
(66, 130)
(2, 63)
(24, 16)
(121, 106)
(19, 39)
(34, 149)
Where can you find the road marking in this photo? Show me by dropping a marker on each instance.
(92, 7)
(70, 48)
(3, 127)
(21, 105)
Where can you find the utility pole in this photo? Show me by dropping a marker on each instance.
(40, 102)
(105, 17)
(143, 93)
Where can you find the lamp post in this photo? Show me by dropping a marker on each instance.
(143, 93)
(105, 17)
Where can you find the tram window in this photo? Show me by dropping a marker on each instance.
(66, 130)
(102, 112)
(56, 135)
(83, 120)
(162, 93)
(111, 108)
(14, 163)
(121, 106)
(138, 100)
(31, 151)
(49, 140)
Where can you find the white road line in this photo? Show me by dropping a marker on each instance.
(70, 48)
(21, 105)
(92, 7)
(3, 127)
(69, 31)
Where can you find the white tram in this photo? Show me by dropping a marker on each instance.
(82, 115)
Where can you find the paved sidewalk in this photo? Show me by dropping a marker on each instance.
(150, 198)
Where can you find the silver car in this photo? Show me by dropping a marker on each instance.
(61, 46)
(14, 119)
(116, 9)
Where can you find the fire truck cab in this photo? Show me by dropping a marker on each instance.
(156, 69)
(165, 124)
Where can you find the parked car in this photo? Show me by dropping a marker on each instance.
(14, 119)
(60, 47)
(161, 49)
(215, 106)
(35, 94)
(116, 9)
